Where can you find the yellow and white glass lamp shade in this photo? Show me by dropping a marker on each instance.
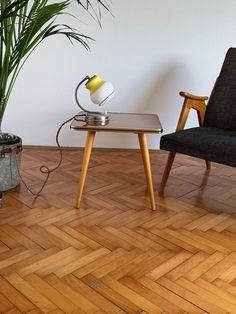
(100, 92)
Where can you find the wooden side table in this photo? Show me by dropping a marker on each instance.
(122, 123)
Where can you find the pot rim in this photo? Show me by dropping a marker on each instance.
(9, 139)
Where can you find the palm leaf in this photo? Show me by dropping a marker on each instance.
(34, 29)
(12, 9)
(24, 24)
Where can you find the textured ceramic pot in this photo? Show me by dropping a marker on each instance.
(10, 157)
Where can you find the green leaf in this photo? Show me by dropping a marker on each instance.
(24, 24)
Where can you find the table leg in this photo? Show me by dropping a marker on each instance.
(87, 154)
(147, 167)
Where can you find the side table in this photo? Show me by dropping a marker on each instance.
(140, 124)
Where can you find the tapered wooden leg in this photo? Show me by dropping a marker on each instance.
(208, 165)
(87, 154)
(147, 167)
(166, 172)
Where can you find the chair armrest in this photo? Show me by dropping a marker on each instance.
(194, 97)
(192, 102)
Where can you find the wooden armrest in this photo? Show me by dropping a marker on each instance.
(190, 96)
(192, 102)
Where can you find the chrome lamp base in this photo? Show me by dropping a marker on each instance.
(98, 118)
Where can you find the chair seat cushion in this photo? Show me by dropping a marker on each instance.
(213, 144)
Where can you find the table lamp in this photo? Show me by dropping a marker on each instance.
(100, 92)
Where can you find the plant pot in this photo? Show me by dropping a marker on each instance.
(10, 157)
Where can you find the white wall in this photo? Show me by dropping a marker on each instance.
(151, 50)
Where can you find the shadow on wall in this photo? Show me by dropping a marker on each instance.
(162, 95)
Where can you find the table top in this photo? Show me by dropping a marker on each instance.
(124, 122)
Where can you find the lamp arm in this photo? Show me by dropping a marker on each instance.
(87, 78)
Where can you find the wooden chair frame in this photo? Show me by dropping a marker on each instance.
(190, 102)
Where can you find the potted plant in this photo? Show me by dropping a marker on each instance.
(24, 24)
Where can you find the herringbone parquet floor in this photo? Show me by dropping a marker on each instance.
(115, 255)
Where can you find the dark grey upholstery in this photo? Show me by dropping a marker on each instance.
(207, 143)
(221, 108)
(216, 141)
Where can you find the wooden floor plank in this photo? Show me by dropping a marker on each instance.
(134, 297)
(150, 295)
(111, 294)
(209, 293)
(15, 297)
(76, 298)
(170, 296)
(191, 295)
(115, 255)
(91, 294)
(48, 291)
(43, 303)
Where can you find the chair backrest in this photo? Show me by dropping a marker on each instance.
(221, 108)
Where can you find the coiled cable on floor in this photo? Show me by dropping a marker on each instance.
(44, 168)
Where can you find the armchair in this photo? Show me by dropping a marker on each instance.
(215, 138)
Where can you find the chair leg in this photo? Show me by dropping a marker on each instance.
(208, 165)
(166, 172)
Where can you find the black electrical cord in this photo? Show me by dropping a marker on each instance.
(45, 169)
